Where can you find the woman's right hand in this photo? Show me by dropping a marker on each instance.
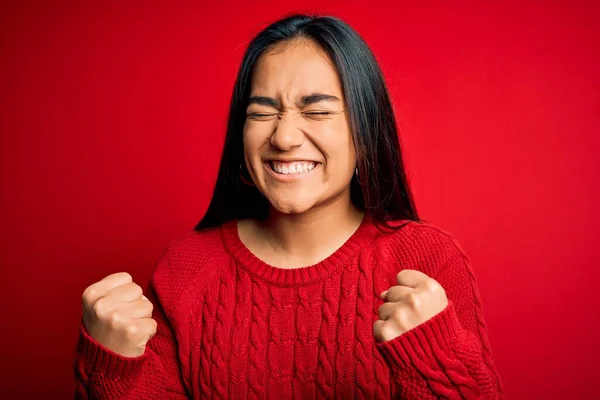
(118, 315)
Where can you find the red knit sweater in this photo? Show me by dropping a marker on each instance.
(233, 327)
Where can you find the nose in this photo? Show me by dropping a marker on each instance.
(287, 134)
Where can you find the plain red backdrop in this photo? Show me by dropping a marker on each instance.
(112, 122)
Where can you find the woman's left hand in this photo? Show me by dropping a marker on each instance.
(415, 299)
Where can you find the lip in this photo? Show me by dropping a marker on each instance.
(289, 177)
(290, 160)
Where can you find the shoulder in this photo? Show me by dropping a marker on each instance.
(193, 249)
(421, 238)
(416, 245)
(186, 264)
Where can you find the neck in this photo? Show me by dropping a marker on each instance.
(311, 236)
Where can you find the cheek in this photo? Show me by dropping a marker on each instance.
(254, 136)
(335, 142)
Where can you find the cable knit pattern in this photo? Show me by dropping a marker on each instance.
(307, 346)
(241, 339)
(231, 326)
(325, 371)
(258, 341)
(364, 340)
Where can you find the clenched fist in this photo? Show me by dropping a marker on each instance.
(415, 299)
(118, 315)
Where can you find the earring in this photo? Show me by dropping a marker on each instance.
(243, 178)
(356, 172)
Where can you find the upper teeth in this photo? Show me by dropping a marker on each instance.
(296, 167)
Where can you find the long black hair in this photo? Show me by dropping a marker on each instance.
(381, 188)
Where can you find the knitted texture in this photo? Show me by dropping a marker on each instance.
(231, 326)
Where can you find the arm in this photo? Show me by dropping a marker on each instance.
(101, 373)
(449, 355)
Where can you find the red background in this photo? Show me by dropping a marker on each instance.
(112, 120)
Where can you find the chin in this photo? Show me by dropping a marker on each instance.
(296, 206)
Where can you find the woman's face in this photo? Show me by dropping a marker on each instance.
(297, 140)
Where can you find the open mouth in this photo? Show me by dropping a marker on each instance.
(292, 168)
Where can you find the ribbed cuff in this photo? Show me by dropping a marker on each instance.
(101, 359)
(420, 343)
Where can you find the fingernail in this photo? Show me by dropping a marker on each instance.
(383, 294)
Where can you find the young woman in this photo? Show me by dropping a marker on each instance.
(311, 274)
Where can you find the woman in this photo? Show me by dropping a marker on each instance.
(311, 275)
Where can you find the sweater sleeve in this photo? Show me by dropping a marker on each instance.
(101, 373)
(449, 355)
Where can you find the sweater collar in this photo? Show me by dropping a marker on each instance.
(365, 232)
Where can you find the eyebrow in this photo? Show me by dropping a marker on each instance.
(304, 100)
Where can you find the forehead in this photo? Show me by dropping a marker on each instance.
(294, 68)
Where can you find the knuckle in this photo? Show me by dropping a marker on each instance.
(137, 289)
(398, 314)
(431, 286)
(114, 319)
(99, 307)
(126, 276)
(386, 332)
(441, 290)
(381, 311)
(88, 294)
(375, 330)
(414, 300)
(131, 330)
(400, 317)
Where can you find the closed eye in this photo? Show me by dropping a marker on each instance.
(318, 115)
(266, 115)
(261, 115)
